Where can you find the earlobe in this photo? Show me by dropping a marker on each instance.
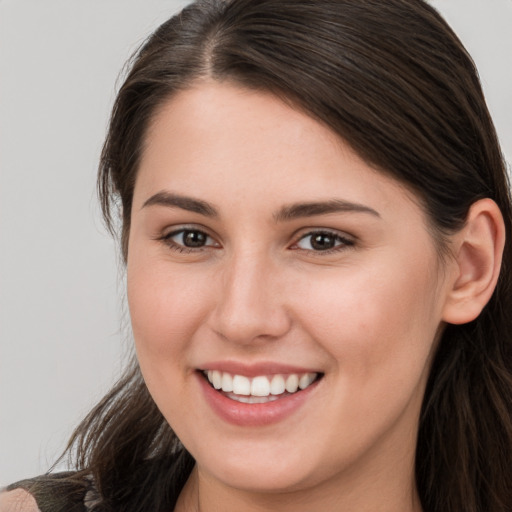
(478, 254)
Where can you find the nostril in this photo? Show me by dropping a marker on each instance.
(252, 326)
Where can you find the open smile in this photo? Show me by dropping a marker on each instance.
(259, 389)
(257, 400)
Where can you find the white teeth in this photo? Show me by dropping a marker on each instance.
(260, 386)
(252, 399)
(306, 379)
(277, 386)
(217, 379)
(292, 383)
(241, 385)
(266, 388)
(227, 382)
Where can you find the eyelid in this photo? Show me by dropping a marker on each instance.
(346, 239)
(302, 232)
(166, 238)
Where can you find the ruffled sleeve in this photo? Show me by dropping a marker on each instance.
(61, 492)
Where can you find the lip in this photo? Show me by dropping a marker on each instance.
(254, 415)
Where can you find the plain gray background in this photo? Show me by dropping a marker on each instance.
(63, 325)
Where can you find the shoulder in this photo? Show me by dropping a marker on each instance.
(17, 500)
(59, 492)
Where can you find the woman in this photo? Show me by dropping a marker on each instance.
(316, 224)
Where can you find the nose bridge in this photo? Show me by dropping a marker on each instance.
(249, 306)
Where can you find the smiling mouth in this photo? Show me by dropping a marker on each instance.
(260, 389)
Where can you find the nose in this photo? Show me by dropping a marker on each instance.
(250, 304)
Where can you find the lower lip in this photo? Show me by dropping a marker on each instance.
(254, 415)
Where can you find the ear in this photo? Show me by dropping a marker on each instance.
(477, 261)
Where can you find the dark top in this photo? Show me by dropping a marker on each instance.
(154, 485)
(61, 492)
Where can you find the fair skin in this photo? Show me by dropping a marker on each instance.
(235, 279)
(232, 268)
(17, 500)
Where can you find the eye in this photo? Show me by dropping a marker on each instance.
(323, 241)
(188, 240)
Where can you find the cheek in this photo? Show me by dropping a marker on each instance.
(375, 320)
(378, 328)
(165, 308)
(165, 316)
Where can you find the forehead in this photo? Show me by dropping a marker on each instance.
(212, 116)
(225, 141)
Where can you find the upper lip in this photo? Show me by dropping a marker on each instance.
(256, 369)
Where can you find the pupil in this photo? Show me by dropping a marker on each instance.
(322, 242)
(194, 239)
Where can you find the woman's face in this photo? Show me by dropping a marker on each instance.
(263, 251)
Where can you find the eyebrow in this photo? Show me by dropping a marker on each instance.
(299, 210)
(286, 213)
(185, 203)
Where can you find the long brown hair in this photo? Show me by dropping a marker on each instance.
(392, 79)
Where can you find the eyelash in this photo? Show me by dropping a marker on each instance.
(343, 242)
(167, 240)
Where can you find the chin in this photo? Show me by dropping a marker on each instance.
(263, 478)
(266, 468)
